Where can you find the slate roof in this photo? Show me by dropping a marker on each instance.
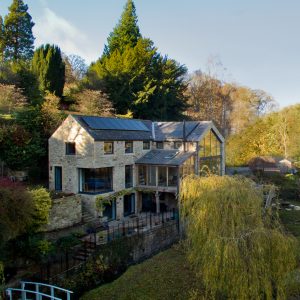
(164, 157)
(106, 129)
(124, 134)
(174, 130)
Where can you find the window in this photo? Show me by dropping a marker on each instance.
(159, 145)
(96, 180)
(142, 175)
(177, 145)
(152, 175)
(210, 155)
(108, 147)
(129, 204)
(162, 176)
(70, 149)
(172, 176)
(128, 147)
(128, 176)
(146, 145)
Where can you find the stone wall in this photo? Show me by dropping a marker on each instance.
(156, 240)
(89, 154)
(65, 212)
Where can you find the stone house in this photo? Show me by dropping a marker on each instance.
(271, 164)
(139, 160)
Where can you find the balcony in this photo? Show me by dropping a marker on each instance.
(158, 177)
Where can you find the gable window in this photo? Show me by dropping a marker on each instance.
(128, 176)
(159, 145)
(128, 147)
(70, 149)
(146, 145)
(177, 145)
(108, 147)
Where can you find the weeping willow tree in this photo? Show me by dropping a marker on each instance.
(238, 250)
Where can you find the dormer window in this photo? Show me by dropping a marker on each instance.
(128, 147)
(159, 145)
(70, 149)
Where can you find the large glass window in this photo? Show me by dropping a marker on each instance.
(172, 176)
(128, 147)
(152, 175)
(108, 147)
(96, 180)
(128, 176)
(142, 175)
(162, 176)
(210, 155)
(188, 167)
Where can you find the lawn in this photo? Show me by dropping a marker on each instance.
(164, 276)
(168, 275)
(291, 221)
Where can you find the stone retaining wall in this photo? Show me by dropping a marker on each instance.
(156, 240)
(65, 212)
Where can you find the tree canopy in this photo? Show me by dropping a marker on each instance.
(135, 76)
(126, 33)
(18, 32)
(275, 134)
(48, 65)
(238, 250)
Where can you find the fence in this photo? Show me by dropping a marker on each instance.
(64, 264)
(141, 223)
(143, 245)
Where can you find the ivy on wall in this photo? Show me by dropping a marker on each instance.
(101, 201)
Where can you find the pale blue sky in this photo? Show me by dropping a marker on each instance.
(258, 41)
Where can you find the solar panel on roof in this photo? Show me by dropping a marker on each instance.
(114, 124)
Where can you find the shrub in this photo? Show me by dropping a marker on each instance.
(237, 250)
(42, 205)
(16, 210)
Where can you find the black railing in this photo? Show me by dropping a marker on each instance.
(64, 264)
(137, 224)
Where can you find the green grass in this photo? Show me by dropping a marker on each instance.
(168, 275)
(291, 221)
(164, 276)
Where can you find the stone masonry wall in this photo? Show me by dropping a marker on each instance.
(65, 212)
(89, 154)
(155, 240)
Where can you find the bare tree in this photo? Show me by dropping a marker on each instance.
(92, 102)
(11, 98)
(76, 68)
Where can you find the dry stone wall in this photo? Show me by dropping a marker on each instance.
(65, 212)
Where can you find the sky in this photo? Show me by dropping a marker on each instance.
(257, 41)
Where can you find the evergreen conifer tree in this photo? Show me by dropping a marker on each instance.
(2, 39)
(18, 32)
(48, 65)
(135, 76)
(126, 33)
